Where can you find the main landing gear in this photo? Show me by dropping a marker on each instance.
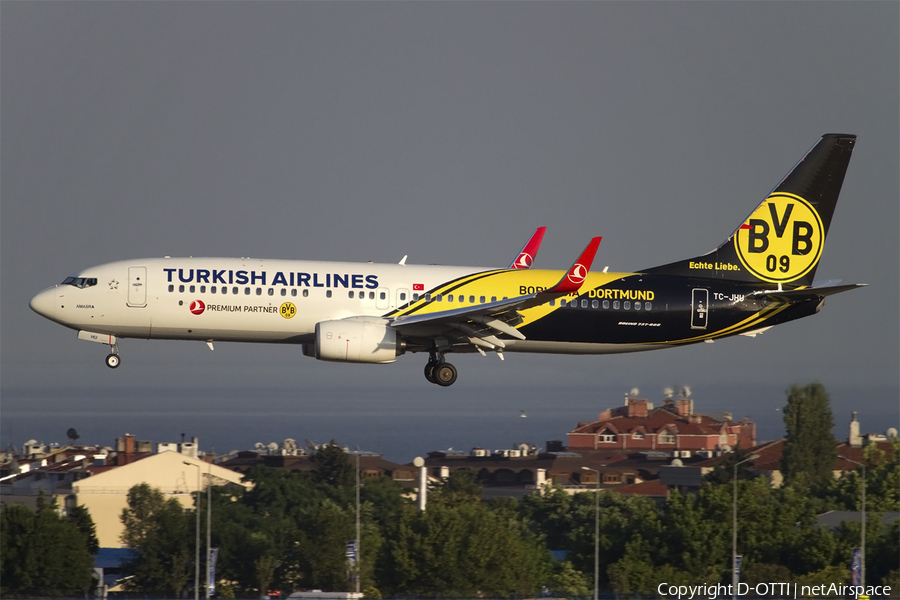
(440, 372)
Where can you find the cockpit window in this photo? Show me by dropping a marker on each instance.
(80, 282)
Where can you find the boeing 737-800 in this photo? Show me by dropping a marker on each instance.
(760, 276)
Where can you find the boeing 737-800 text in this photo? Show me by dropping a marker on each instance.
(760, 276)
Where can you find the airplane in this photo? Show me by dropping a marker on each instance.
(760, 276)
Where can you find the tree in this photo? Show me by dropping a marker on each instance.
(162, 535)
(333, 466)
(460, 487)
(81, 518)
(464, 550)
(809, 449)
(42, 552)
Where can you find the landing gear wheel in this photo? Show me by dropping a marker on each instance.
(112, 361)
(429, 372)
(444, 374)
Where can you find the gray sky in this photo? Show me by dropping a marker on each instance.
(448, 132)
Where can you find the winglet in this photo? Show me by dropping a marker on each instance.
(577, 273)
(526, 257)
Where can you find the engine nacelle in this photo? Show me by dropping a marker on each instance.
(357, 339)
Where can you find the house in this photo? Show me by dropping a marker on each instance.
(99, 479)
(674, 427)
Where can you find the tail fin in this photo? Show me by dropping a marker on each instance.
(782, 240)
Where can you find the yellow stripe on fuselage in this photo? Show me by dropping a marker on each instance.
(503, 284)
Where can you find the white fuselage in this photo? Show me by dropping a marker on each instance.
(226, 299)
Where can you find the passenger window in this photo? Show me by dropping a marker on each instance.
(415, 297)
(246, 291)
(328, 294)
(595, 304)
(350, 294)
(493, 298)
(283, 292)
(427, 297)
(234, 290)
(382, 295)
(192, 289)
(202, 289)
(648, 306)
(584, 303)
(472, 299)
(606, 304)
(171, 288)
(362, 295)
(439, 297)
(553, 302)
(305, 293)
(259, 291)
(637, 306)
(402, 296)
(213, 289)
(481, 300)
(450, 298)
(272, 291)
(181, 288)
(294, 292)
(224, 290)
(615, 305)
(627, 305)
(371, 295)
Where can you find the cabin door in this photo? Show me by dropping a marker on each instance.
(699, 308)
(137, 287)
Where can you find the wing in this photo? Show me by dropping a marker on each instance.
(528, 253)
(482, 323)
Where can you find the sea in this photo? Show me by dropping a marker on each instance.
(399, 422)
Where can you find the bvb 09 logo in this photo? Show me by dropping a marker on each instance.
(288, 310)
(782, 239)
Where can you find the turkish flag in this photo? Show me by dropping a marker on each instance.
(418, 287)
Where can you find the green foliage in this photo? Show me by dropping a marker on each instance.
(161, 534)
(290, 530)
(464, 550)
(81, 518)
(567, 581)
(566, 522)
(809, 449)
(42, 553)
(333, 466)
(461, 487)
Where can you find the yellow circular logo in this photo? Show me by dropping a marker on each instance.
(782, 240)
(288, 310)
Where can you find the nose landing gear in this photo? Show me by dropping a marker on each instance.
(112, 359)
(440, 372)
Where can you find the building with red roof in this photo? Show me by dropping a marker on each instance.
(673, 427)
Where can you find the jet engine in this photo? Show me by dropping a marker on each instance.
(357, 339)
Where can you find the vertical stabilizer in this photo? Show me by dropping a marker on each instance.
(782, 240)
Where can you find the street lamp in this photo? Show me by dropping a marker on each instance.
(862, 534)
(596, 529)
(208, 527)
(358, 570)
(734, 574)
(197, 549)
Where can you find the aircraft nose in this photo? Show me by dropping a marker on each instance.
(44, 303)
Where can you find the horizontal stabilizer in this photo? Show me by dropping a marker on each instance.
(802, 295)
